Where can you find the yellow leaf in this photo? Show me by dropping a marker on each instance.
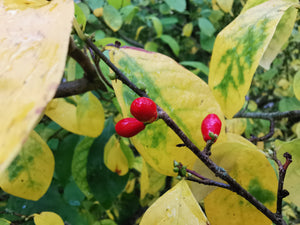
(225, 5)
(114, 158)
(34, 38)
(238, 50)
(236, 125)
(292, 178)
(151, 181)
(176, 206)
(184, 96)
(232, 209)
(296, 129)
(82, 115)
(245, 163)
(30, 174)
(47, 218)
(296, 85)
(187, 30)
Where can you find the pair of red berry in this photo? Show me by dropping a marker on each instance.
(144, 110)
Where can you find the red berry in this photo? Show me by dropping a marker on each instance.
(144, 109)
(129, 127)
(211, 123)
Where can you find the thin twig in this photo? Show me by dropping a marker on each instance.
(203, 180)
(268, 116)
(101, 75)
(209, 182)
(84, 61)
(267, 136)
(218, 171)
(281, 193)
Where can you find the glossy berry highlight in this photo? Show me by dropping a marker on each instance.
(211, 127)
(144, 109)
(129, 127)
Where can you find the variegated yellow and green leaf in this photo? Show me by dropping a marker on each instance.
(292, 178)
(32, 60)
(281, 35)
(238, 50)
(183, 95)
(177, 206)
(247, 165)
(82, 115)
(30, 174)
(250, 168)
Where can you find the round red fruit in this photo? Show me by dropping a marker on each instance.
(211, 124)
(129, 127)
(144, 109)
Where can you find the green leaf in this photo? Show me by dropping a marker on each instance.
(237, 51)
(107, 222)
(104, 184)
(151, 46)
(118, 3)
(128, 13)
(288, 104)
(157, 26)
(171, 42)
(178, 5)
(198, 65)
(30, 174)
(72, 194)
(79, 165)
(4, 222)
(207, 43)
(292, 178)
(52, 201)
(112, 17)
(206, 27)
(165, 81)
(95, 4)
(80, 17)
(63, 157)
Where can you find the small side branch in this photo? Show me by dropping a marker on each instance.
(203, 180)
(281, 193)
(267, 136)
(76, 87)
(268, 116)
